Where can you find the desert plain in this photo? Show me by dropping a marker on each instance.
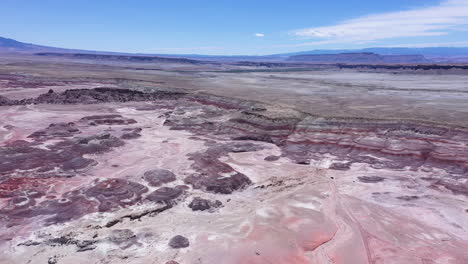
(118, 160)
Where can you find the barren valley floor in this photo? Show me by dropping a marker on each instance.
(176, 162)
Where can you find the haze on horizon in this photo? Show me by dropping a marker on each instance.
(234, 28)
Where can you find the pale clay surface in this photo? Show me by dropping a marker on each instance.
(314, 219)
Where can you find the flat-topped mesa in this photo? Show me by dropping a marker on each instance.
(414, 67)
(359, 57)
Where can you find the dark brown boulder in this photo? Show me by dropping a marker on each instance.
(370, 179)
(130, 135)
(179, 242)
(272, 158)
(340, 166)
(5, 101)
(199, 204)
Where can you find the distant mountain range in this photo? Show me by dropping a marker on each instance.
(8, 45)
(358, 57)
(433, 51)
(11, 45)
(367, 55)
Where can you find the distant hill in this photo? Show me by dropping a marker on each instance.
(8, 45)
(427, 52)
(362, 57)
(368, 55)
(11, 45)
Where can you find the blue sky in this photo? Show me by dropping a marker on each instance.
(236, 26)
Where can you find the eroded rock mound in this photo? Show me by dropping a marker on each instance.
(71, 205)
(157, 177)
(116, 193)
(96, 95)
(219, 184)
(110, 119)
(124, 238)
(100, 95)
(454, 185)
(56, 130)
(216, 176)
(66, 156)
(166, 195)
(131, 133)
(31, 170)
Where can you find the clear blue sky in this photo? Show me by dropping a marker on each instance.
(236, 26)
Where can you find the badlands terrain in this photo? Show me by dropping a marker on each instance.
(123, 159)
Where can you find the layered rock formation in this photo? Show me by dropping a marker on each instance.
(92, 96)
(199, 178)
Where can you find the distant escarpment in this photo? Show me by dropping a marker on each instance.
(124, 58)
(364, 57)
